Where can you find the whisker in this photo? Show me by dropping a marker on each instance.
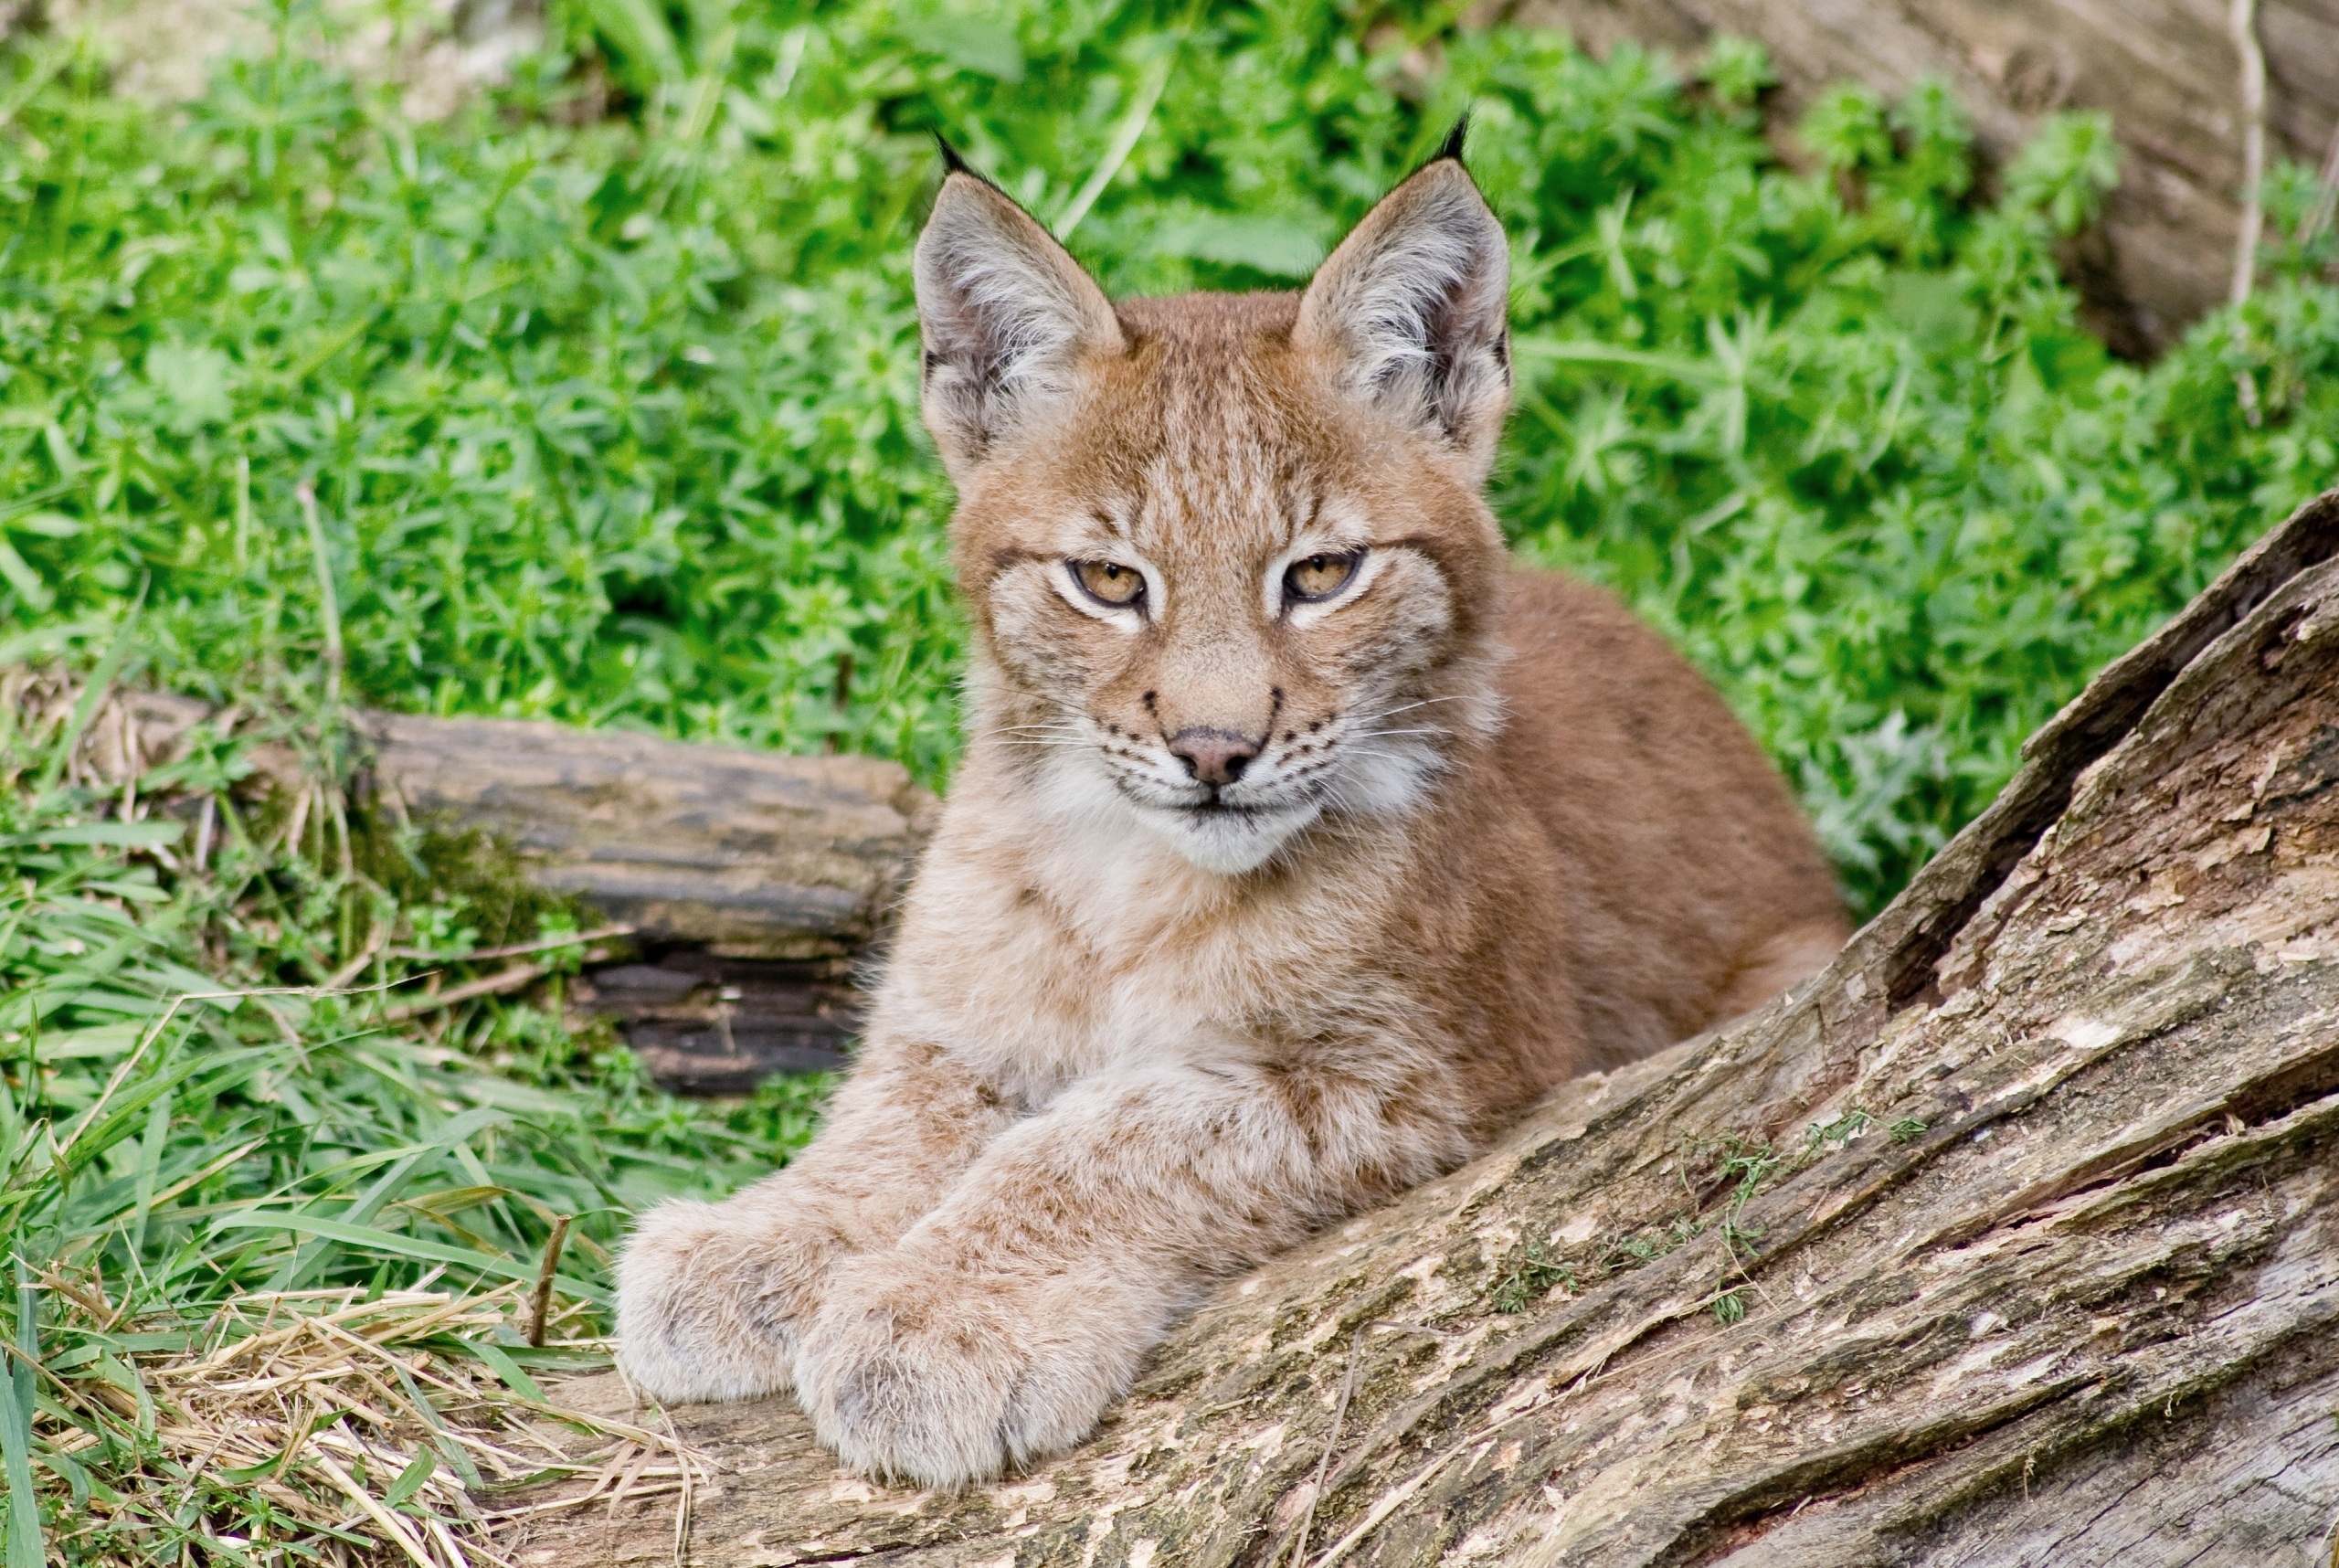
(1425, 701)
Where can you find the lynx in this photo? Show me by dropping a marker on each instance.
(1299, 844)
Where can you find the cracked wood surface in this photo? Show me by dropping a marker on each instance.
(2055, 1278)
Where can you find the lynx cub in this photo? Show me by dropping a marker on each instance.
(1299, 844)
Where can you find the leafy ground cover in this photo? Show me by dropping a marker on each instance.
(604, 389)
(596, 402)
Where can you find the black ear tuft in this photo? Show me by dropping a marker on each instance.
(1452, 147)
(952, 161)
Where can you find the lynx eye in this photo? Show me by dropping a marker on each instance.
(1108, 582)
(1321, 576)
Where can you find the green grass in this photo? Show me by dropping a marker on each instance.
(200, 1104)
(605, 396)
(615, 422)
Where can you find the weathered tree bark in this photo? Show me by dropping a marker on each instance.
(2011, 1239)
(2168, 70)
(751, 880)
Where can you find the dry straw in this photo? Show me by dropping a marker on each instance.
(348, 1430)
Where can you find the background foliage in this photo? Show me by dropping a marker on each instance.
(602, 396)
(606, 387)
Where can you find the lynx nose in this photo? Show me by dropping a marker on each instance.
(1214, 755)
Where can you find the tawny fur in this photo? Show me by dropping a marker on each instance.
(1137, 1031)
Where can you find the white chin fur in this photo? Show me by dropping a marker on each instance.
(1228, 845)
(1079, 796)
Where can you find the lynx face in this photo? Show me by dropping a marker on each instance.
(1229, 562)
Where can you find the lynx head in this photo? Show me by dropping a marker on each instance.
(1228, 557)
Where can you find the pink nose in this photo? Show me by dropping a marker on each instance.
(1213, 755)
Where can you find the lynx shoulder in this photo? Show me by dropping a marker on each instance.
(1300, 843)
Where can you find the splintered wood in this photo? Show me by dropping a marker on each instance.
(2013, 1238)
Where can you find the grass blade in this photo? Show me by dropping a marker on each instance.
(396, 1246)
(23, 1537)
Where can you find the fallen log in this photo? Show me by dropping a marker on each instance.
(751, 880)
(749, 883)
(2013, 1238)
(749, 854)
(2170, 73)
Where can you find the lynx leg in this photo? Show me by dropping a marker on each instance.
(711, 1296)
(1007, 1319)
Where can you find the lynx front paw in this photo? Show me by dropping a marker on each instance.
(710, 1297)
(925, 1374)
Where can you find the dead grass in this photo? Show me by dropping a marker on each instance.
(352, 1430)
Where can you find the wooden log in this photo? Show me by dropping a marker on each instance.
(710, 1026)
(751, 882)
(2168, 70)
(748, 854)
(2011, 1239)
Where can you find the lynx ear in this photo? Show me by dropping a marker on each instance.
(1413, 311)
(1006, 313)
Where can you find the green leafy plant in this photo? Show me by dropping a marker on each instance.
(614, 419)
(1836, 1130)
(1527, 1271)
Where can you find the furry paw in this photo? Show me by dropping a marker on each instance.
(916, 1371)
(710, 1296)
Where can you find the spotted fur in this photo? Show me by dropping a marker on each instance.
(1245, 911)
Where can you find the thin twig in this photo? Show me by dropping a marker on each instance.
(1389, 1502)
(542, 1299)
(599, 933)
(356, 965)
(496, 984)
(1331, 1441)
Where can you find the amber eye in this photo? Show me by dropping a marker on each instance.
(1110, 582)
(1321, 575)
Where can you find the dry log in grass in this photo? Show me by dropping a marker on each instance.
(750, 882)
(2168, 71)
(748, 855)
(2012, 1239)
